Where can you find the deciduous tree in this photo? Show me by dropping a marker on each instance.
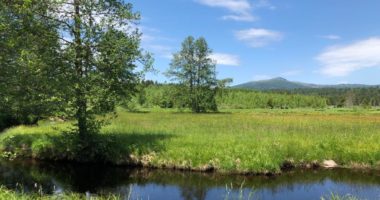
(97, 53)
(193, 68)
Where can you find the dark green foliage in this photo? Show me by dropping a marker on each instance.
(193, 68)
(270, 103)
(101, 57)
(29, 64)
(164, 96)
(77, 59)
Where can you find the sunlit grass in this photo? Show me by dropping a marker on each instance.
(245, 141)
(6, 194)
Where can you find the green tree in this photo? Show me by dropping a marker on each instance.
(29, 64)
(193, 68)
(222, 85)
(100, 52)
(97, 55)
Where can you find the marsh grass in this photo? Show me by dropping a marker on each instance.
(242, 194)
(334, 196)
(244, 141)
(6, 194)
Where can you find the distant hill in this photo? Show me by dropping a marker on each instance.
(280, 83)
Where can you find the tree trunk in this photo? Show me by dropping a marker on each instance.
(81, 104)
(192, 100)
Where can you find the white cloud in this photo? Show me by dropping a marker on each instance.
(242, 17)
(258, 37)
(331, 37)
(343, 60)
(233, 5)
(225, 59)
(264, 4)
(163, 51)
(240, 9)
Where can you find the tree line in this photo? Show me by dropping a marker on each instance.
(341, 97)
(168, 96)
(153, 94)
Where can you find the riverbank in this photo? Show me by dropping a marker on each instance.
(12, 195)
(133, 183)
(255, 141)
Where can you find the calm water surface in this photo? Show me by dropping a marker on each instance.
(164, 184)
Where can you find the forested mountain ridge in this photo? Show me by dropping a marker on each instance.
(280, 83)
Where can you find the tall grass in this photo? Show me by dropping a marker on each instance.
(242, 195)
(249, 141)
(6, 194)
(334, 196)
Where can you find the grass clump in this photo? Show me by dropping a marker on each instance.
(334, 196)
(12, 195)
(255, 141)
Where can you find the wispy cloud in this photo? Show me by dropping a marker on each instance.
(264, 4)
(163, 51)
(152, 34)
(154, 42)
(343, 60)
(241, 17)
(226, 59)
(240, 9)
(331, 37)
(258, 37)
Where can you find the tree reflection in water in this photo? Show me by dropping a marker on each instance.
(102, 179)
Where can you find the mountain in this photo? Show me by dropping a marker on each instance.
(280, 83)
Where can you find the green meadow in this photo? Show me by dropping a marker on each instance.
(232, 141)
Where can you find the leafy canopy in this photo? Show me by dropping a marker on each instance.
(193, 68)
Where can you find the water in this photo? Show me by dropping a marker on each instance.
(166, 184)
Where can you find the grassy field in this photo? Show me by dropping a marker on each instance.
(256, 141)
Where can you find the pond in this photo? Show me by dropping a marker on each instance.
(166, 184)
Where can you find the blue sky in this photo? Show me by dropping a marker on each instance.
(317, 41)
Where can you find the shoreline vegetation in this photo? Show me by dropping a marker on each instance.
(233, 141)
(12, 195)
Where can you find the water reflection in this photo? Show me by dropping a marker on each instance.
(163, 184)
